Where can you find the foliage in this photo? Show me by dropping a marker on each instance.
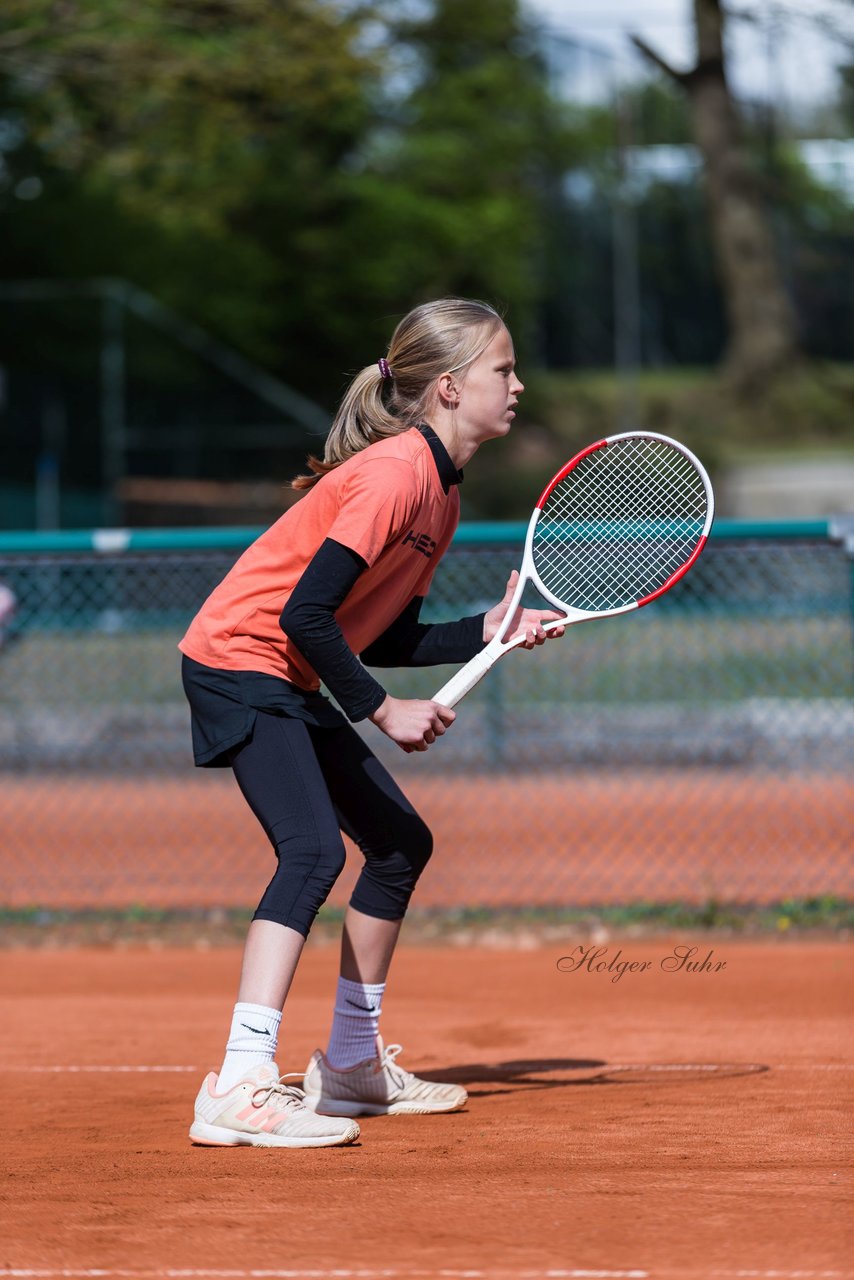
(817, 240)
(659, 114)
(201, 135)
(176, 102)
(846, 78)
(251, 163)
(806, 408)
(295, 174)
(821, 917)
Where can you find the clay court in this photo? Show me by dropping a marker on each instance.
(666, 1124)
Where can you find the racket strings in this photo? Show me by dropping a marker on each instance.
(624, 557)
(619, 525)
(613, 566)
(659, 497)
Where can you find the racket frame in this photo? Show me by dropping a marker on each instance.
(468, 676)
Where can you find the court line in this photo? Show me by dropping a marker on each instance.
(444, 1273)
(118, 1068)
(60, 1070)
(724, 1066)
(583, 1273)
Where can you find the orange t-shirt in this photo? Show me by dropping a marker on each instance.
(388, 505)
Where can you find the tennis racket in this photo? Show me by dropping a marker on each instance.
(618, 525)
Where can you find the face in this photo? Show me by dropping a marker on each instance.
(489, 391)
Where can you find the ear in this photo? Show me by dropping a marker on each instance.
(449, 392)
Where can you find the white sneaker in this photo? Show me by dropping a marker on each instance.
(378, 1087)
(261, 1111)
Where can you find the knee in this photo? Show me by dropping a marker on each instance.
(304, 876)
(419, 844)
(398, 862)
(319, 860)
(392, 869)
(331, 862)
(330, 859)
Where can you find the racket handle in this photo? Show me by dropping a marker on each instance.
(465, 679)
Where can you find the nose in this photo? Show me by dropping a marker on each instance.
(518, 385)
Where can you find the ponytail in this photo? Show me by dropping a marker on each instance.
(362, 419)
(394, 394)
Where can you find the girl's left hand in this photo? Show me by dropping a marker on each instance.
(527, 622)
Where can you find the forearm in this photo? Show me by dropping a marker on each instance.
(308, 619)
(410, 643)
(319, 639)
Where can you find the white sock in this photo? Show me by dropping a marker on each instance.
(254, 1039)
(355, 1026)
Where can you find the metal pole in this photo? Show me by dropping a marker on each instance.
(48, 503)
(627, 337)
(113, 443)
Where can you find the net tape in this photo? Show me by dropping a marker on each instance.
(620, 523)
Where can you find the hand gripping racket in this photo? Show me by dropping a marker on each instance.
(615, 529)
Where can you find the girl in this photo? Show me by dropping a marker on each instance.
(343, 573)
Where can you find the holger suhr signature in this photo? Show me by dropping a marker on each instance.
(680, 959)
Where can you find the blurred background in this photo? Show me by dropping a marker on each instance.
(213, 212)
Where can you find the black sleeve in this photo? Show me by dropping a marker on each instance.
(309, 620)
(410, 643)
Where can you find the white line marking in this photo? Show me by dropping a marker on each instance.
(336, 1274)
(577, 1273)
(677, 1066)
(55, 1069)
(730, 1066)
(65, 1070)
(815, 1066)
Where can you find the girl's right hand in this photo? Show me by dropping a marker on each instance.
(412, 723)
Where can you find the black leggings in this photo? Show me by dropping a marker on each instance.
(306, 785)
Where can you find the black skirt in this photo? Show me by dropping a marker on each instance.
(224, 704)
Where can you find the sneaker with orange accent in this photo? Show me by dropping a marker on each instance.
(377, 1087)
(262, 1111)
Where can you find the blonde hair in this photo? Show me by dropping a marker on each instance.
(438, 337)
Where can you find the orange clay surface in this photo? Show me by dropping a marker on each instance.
(668, 1124)
(535, 839)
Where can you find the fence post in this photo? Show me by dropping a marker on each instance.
(113, 400)
(842, 530)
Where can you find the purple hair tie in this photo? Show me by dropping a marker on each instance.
(385, 371)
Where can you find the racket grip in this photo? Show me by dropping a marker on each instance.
(465, 679)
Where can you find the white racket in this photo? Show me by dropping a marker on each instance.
(618, 525)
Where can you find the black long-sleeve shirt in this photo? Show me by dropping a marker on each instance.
(309, 620)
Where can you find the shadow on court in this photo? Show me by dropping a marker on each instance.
(529, 1073)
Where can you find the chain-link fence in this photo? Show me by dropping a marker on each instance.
(699, 749)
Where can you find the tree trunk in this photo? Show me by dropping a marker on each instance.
(762, 328)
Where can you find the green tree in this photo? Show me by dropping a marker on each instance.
(762, 337)
(453, 187)
(482, 156)
(846, 95)
(292, 173)
(199, 136)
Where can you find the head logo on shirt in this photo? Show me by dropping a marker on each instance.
(420, 542)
